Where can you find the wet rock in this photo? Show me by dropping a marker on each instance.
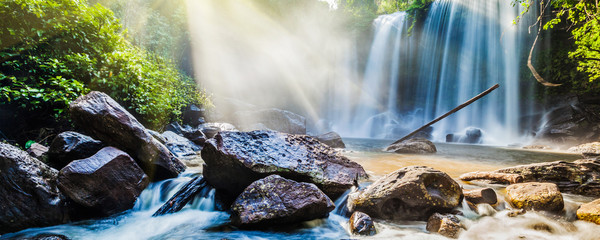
(46, 236)
(590, 212)
(362, 224)
(104, 119)
(179, 145)
(193, 115)
(481, 195)
(271, 119)
(233, 160)
(192, 133)
(578, 177)
(413, 145)
(573, 122)
(536, 196)
(472, 135)
(331, 139)
(182, 197)
(29, 196)
(587, 148)
(38, 151)
(275, 200)
(410, 193)
(69, 146)
(108, 182)
(446, 225)
(516, 212)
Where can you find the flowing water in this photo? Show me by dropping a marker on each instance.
(462, 48)
(200, 219)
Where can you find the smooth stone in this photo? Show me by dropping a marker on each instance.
(69, 146)
(590, 212)
(331, 139)
(362, 224)
(535, 195)
(446, 225)
(413, 145)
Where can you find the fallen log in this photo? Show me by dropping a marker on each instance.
(493, 176)
(467, 103)
(182, 197)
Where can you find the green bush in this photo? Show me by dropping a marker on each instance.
(53, 51)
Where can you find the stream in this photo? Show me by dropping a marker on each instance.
(200, 219)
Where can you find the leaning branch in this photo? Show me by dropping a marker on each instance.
(529, 64)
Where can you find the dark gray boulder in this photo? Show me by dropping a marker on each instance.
(29, 196)
(233, 160)
(69, 146)
(332, 139)
(413, 145)
(275, 201)
(103, 118)
(410, 193)
(108, 182)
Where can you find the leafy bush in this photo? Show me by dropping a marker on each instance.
(53, 51)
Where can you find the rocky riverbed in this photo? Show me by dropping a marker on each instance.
(116, 179)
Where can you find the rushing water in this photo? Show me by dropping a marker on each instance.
(200, 219)
(462, 48)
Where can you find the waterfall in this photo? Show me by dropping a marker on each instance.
(462, 48)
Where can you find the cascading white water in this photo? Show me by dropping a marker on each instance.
(463, 47)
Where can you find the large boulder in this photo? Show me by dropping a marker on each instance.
(332, 139)
(106, 120)
(69, 146)
(233, 160)
(271, 119)
(275, 200)
(590, 212)
(413, 145)
(195, 134)
(536, 196)
(410, 193)
(108, 182)
(29, 196)
(362, 224)
(579, 177)
(575, 120)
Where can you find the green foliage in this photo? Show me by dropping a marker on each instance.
(53, 51)
(390, 6)
(581, 19)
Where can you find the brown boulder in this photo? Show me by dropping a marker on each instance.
(410, 193)
(413, 145)
(536, 196)
(590, 212)
(106, 120)
(233, 160)
(446, 225)
(362, 224)
(108, 182)
(481, 195)
(275, 200)
(29, 196)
